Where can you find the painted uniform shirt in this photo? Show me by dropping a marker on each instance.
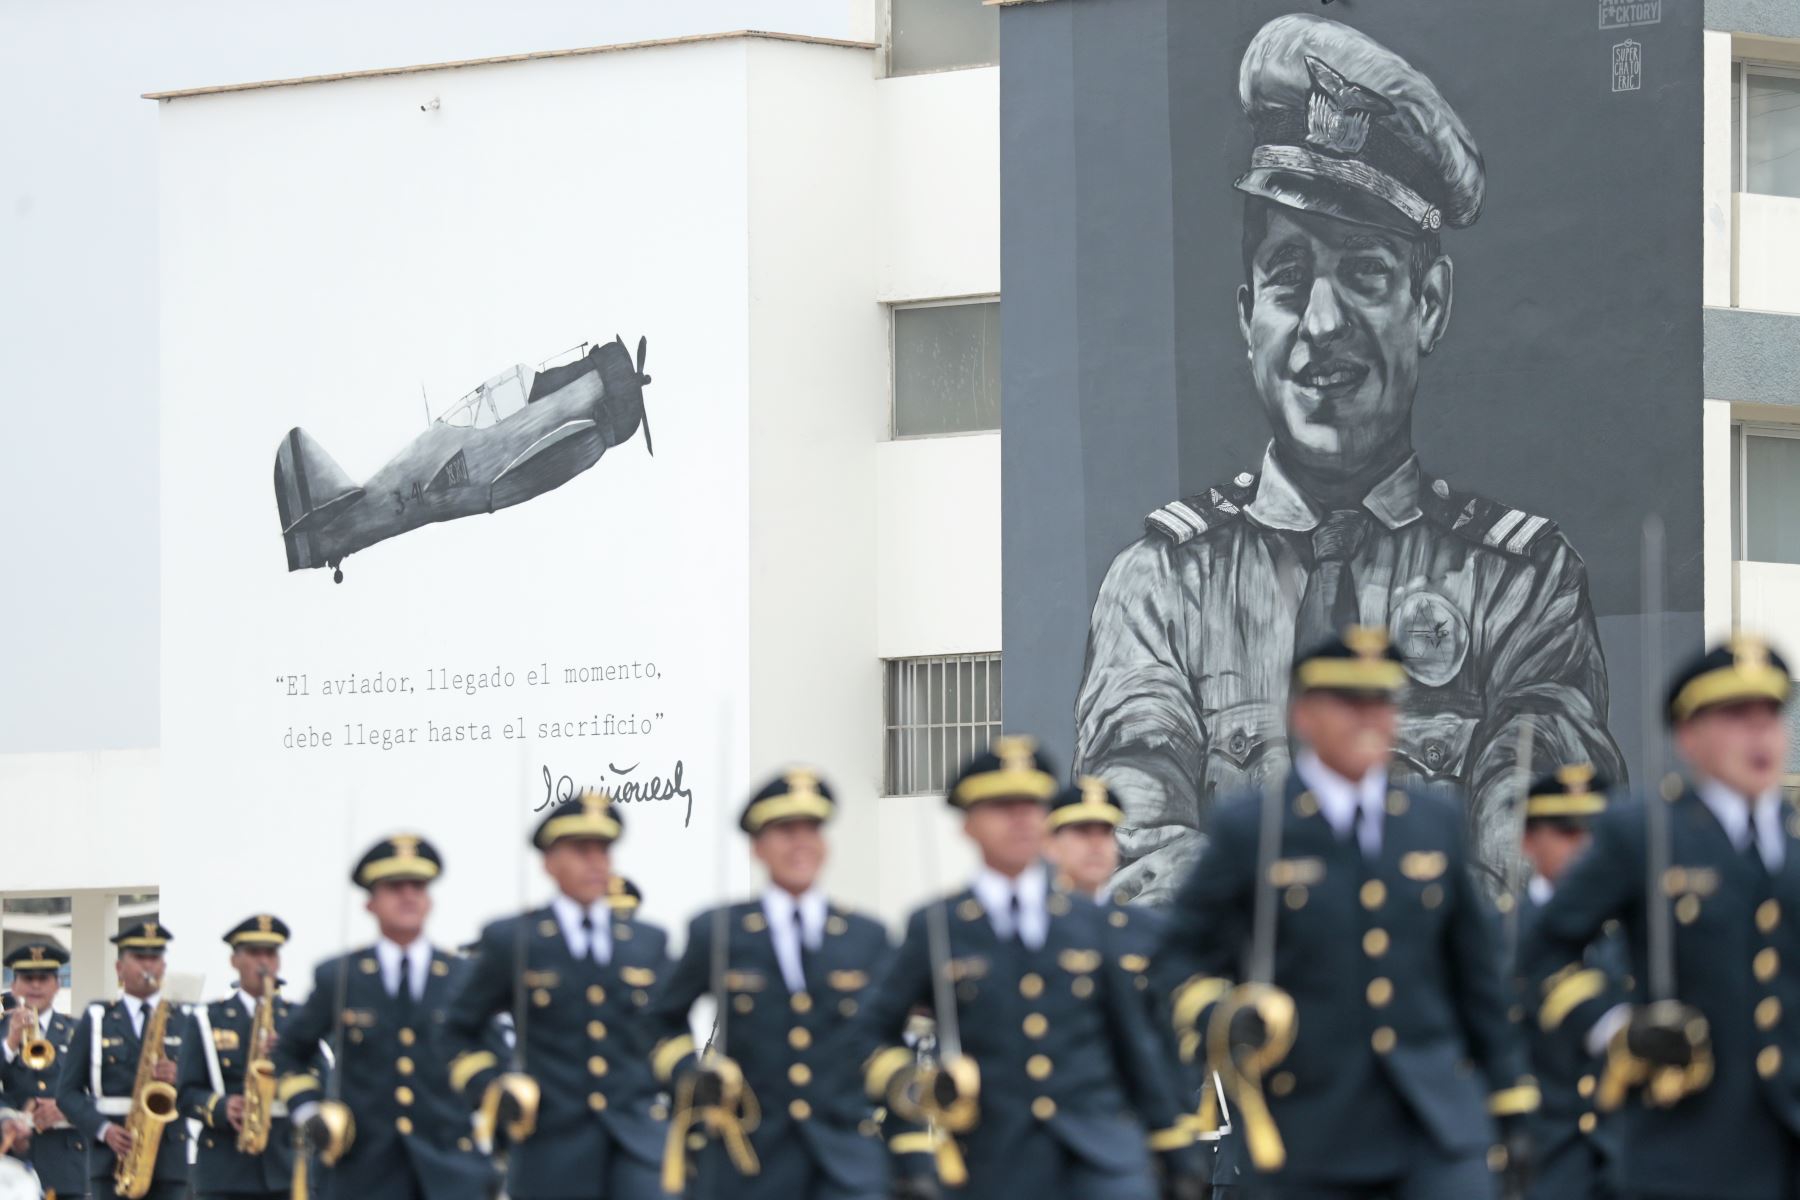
(1184, 695)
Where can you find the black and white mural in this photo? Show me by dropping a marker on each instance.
(520, 434)
(1358, 404)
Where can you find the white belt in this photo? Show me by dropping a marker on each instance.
(112, 1106)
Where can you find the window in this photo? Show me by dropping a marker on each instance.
(1766, 120)
(937, 712)
(940, 35)
(1765, 476)
(946, 368)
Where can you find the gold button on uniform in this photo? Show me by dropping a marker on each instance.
(1374, 894)
(1768, 915)
(597, 1102)
(801, 1002)
(1687, 909)
(1375, 943)
(1038, 1066)
(1031, 986)
(1281, 1083)
(799, 1037)
(403, 1094)
(597, 1030)
(404, 1124)
(408, 1037)
(1432, 896)
(1383, 1040)
(596, 1065)
(596, 994)
(1295, 897)
(1083, 987)
(1036, 1025)
(404, 1065)
(1587, 1122)
(799, 1110)
(1380, 992)
(742, 1003)
(1765, 964)
(1585, 1086)
(1768, 1013)
(1768, 1061)
(799, 1074)
(1043, 1108)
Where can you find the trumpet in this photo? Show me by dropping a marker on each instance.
(35, 1050)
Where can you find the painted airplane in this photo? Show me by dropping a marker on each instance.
(520, 434)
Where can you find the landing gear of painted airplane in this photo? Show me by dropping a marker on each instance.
(337, 573)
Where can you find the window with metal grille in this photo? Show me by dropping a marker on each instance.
(936, 713)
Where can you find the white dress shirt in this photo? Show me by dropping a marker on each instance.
(1540, 890)
(140, 1010)
(1032, 887)
(569, 915)
(418, 965)
(1735, 816)
(779, 908)
(1339, 798)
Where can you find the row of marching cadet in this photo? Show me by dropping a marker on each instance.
(1332, 1008)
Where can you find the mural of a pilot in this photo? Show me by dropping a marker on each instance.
(1359, 163)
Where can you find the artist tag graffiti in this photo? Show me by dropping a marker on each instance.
(1623, 14)
(1628, 66)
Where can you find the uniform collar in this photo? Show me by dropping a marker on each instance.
(1540, 889)
(1735, 814)
(779, 907)
(1280, 504)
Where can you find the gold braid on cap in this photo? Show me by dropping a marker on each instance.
(1370, 671)
(1751, 675)
(803, 799)
(1096, 807)
(1018, 775)
(1577, 799)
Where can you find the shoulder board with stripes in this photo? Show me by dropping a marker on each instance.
(1492, 524)
(1183, 520)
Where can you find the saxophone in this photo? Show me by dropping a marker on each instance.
(259, 1074)
(152, 1108)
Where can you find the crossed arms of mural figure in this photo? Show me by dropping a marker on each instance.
(1141, 726)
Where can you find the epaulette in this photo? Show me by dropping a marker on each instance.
(1487, 522)
(1184, 520)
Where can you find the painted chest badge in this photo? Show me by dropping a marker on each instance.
(1431, 635)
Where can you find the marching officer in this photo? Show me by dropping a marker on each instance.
(94, 1085)
(797, 969)
(28, 1083)
(1048, 1078)
(1572, 1147)
(1376, 937)
(215, 1059)
(582, 1060)
(1708, 1078)
(390, 1129)
(1085, 852)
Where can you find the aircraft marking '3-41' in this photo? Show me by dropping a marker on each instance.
(522, 433)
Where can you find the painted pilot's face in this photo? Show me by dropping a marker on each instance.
(1335, 329)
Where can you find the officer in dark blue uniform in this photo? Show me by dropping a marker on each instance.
(1056, 1090)
(97, 1075)
(797, 969)
(58, 1150)
(1404, 1053)
(588, 974)
(1083, 849)
(1708, 1080)
(624, 895)
(214, 1058)
(381, 1010)
(1573, 1147)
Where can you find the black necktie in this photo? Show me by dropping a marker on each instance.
(1329, 603)
(404, 993)
(593, 943)
(1359, 820)
(806, 955)
(1751, 851)
(1018, 918)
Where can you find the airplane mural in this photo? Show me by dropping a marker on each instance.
(522, 433)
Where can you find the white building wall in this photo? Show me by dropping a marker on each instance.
(939, 540)
(937, 218)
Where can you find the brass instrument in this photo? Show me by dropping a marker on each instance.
(35, 1051)
(259, 1074)
(152, 1108)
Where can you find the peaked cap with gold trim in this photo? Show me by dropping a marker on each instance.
(623, 895)
(403, 857)
(1360, 662)
(37, 956)
(797, 794)
(1088, 802)
(1742, 669)
(1346, 128)
(1013, 768)
(589, 815)
(144, 937)
(264, 929)
(1573, 794)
